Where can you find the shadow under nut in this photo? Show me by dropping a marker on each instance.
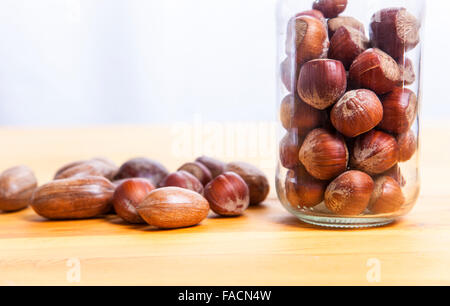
(73, 198)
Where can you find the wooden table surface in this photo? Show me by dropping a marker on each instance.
(267, 246)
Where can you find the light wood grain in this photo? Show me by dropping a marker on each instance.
(265, 247)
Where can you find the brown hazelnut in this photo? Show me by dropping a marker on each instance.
(228, 195)
(289, 71)
(256, 180)
(289, 149)
(128, 196)
(296, 114)
(302, 190)
(307, 39)
(407, 143)
(357, 112)
(387, 196)
(73, 198)
(346, 44)
(16, 188)
(335, 23)
(330, 8)
(216, 167)
(312, 13)
(198, 170)
(173, 207)
(400, 110)
(143, 168)
(395, 173)
(322, 82)
(373, 69)
(349, 194)
(324, 154)
(407, 74)
(375, 152)
(184, 180)
(395, 31)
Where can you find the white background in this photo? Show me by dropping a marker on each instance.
(90, 62)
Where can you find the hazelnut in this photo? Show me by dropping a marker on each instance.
(16, 188)
(395, 173)
(346, 44)
(373, 69)
(407, 144)
(322, 82)
(228, 195)
(303, 190)
(173, 207)
(395, 31)
(198, 170)
(335, 23)
(375, 152)
(407, 74)
(143, 168)
(289, 71)
(400, 110)
(296, 114)
(128, 196)
(387, 196)
(73, 198)
(307, 39)
(216, 167)
(255, 179)
(324, 154)
(289, 149)
(183, 179)
(312, 13)
(349, 194)
(93, 167)
(357, 112)
(330, 8)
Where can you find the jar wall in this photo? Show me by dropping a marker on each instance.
(348, 97)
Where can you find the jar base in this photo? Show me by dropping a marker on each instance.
(345, 223)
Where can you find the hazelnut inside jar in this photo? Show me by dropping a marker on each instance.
(349, 99)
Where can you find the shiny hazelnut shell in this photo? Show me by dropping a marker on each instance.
(407, 143)
(296, 114)
(395, 31)
(127, 197)
(335, 23)
(256, 180)
(289, 71)
(307, 39)
(183, 179)
(228, 195)
(330, 8)
(347, 44)
(215, 166)
(324, 154)
(289, 150)
(357, 112)
(322, 82)
(303, 190)
(375, 70)
(375, 152)
(395, 173)
(349, 194)
(400, 110)
(387, 196)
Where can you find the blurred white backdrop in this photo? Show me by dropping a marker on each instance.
(90, 62)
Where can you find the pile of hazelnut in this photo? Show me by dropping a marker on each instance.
(140, 191)
(349, 115)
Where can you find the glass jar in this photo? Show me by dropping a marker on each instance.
(348, 95)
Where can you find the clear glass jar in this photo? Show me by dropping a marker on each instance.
(348, 95)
